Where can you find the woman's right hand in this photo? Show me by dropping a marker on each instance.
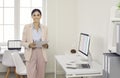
(32, 45)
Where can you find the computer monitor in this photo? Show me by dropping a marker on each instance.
(83, 48)
(14, 44)
(84, 43)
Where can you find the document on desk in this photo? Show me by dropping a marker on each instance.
(71, 65)
(40, 43)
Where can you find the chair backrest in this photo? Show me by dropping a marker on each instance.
(7, 59)
(19, 64)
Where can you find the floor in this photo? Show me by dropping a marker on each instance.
(50, 75)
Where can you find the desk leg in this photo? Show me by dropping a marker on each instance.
(55, 69)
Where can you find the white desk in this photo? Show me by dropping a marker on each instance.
(94, 70)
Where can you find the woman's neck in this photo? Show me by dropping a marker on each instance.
(36, 25)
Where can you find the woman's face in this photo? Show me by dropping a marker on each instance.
(36, 17)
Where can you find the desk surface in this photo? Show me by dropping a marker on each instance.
(94, 70)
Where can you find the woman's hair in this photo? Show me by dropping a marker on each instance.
(34, 10)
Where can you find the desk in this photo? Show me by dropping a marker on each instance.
(94, 70)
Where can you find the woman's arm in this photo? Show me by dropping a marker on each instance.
(46, 37)
(25, 43)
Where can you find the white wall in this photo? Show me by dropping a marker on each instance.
(94, 19)
(61, 28)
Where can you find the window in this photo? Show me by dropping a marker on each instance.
(6, 20)
(14, 14)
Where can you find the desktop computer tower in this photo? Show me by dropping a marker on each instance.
(111, 65)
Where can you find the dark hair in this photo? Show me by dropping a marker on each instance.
(34, 10)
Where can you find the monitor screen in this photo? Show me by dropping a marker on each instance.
(84, 42)
(14, 44)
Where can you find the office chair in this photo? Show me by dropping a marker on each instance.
(19, 64)
(8, 62)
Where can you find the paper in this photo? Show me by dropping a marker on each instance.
(71, 65)
(40, 43)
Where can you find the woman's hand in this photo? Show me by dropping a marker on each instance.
(45, 46)
(32, 45)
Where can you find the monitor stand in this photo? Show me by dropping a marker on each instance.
(89, 59)
(88, 62)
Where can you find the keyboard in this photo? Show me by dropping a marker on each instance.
(83, 65)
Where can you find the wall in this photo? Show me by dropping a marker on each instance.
(94, 19)
(61, 28)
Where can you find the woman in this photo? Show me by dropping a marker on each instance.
(35, 56)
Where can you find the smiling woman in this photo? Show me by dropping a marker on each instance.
(36, 15)
(35, 56)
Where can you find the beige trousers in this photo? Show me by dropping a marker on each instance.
(36, 65)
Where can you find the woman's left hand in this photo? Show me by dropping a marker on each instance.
(45, 46)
